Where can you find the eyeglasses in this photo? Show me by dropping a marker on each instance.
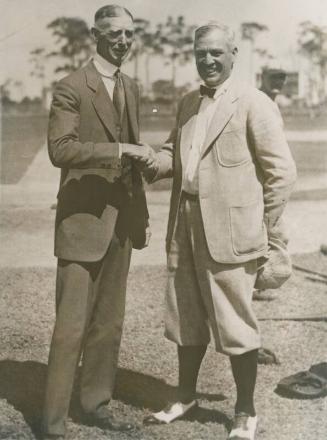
(114, 34)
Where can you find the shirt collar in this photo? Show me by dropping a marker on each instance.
(221, 89)
(104, 67)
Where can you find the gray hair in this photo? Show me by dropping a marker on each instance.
(111, 11)
(213, 25)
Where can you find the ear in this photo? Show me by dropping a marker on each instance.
(235, 51)
(95, 34)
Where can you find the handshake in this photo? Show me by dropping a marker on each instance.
(144, 158)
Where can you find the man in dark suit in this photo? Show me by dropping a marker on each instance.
(101, 215)
(232, 175)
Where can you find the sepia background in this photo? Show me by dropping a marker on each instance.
(43, 40)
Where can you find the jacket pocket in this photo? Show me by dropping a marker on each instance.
(247, 228)
(232, 149)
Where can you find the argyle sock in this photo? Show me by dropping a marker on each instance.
(190, 358)
(244, 369)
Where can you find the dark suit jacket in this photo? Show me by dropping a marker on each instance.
(83, 137)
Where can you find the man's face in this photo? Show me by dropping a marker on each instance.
(274, 81)
(214, 58)
(114, 36)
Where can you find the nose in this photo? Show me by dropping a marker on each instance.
(208, 58)
(122, 39)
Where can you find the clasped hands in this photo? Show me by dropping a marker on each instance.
(143, 157)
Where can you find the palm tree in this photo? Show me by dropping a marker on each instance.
(5, 94)
(154, 47)
(177, 43)
(141, 31)
(250, 31)
(147, 44)
(37, 59)
(264, 54)
(312, 43)
(76, 42)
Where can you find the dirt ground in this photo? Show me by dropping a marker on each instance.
(148, 371)
(293, 324)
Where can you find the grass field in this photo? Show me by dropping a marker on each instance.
(23, 135)
(148, 366)
(21, 138)
(305, 122)
(148, 369)
(310, 158)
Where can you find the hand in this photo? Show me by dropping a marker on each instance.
(144, 158)
(149, 166)
(147, 236)
(126, 169)
(141, 153)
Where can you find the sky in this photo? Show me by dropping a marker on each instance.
(23, 27)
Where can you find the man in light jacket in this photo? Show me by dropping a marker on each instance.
(232, 176)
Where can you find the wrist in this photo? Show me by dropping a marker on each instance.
(123, 148)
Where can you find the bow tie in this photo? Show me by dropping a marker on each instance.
(207, 91)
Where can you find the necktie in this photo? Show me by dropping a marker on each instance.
(207, 91)
(118, 99)
(119, 96)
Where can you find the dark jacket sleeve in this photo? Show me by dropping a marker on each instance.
(65, 148)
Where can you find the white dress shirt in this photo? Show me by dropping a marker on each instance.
(107, 72)
(207, 109)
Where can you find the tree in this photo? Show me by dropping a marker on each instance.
(75, 42)
(312, 43)
(163, 90)
(141, 31)
(147, 44)
(264, 55)
(250, 31)
(5, 95)
(153, 47)
(177, 43)
(8, 87)
(37, 59)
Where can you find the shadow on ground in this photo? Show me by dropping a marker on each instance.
(22, 385)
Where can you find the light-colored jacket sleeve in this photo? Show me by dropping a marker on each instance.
(266, 133)
(165, 156)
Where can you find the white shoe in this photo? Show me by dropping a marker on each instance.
(172, 412)
(244, 427)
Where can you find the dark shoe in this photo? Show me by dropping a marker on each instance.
(244, 427)
(309, 384)
(172, 412)
(106, 421)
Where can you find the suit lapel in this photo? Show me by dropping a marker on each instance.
(188, 119)
(101, 100)
(131, 106)
(223, 114)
